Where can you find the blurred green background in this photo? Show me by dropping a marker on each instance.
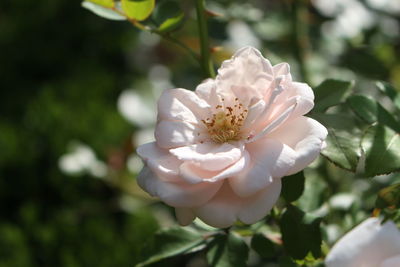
(77, 96)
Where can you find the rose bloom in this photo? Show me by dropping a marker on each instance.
(370, 244)
(221, 150)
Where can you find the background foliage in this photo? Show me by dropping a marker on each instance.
(73, 84)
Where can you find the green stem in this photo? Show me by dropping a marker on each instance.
(300, 36)
(206, 63)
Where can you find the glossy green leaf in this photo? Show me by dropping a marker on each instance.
(102, 11)
(293, 186)
(171, 242)
(390, 91)
(104, 3)
(330, 93)
(381, 146)
(263, 246)
(343, 140)
(168, 15)
(371, 111)
(138, 9)
(301, 233)
(228, 251)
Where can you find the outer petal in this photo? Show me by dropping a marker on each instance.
(226, 207)
(306, 136)
(247, 69)
(170, 134)
(193, 174)
(182, 105)
(269, 159)
(366, 245)
(391, 262)
(184, 216)
(178, 194)
(165, 165)
(210, 156)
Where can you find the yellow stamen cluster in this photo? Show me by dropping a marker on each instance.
(225, 125)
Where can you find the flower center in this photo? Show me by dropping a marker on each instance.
(225, 125)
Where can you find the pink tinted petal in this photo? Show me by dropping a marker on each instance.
(194, 174)
(268, 159)
(391, 262)
(305, 136)
(178, 194)
(209, 156)
(258, 206)
(247, 69)
(160, 161)
(182, 105)
(226, 207)
(282, 70)
(170, 134)
(184, 216)
(254, 112)
(275, 121)
(368, 244)
(305, 98)
(207, 91)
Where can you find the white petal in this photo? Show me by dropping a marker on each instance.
(305, 136)
(184, 216)
(276, 120)
(391, 262)
(368, 244)
(268, 159)
(209, 156)
(194, 174)
(160, 161)
(247, 69)
(226, 207)
(170, 134)
(182, 105)
(102, 11)
(174, 193)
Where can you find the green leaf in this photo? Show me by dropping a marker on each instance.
(293, 186)
(371, 111)
(138, 9)
(228, 251)
(343, 140)
(104, 3)
(171, 242)
(390, 91)
(102, 11)
(301, 233)
(168, 15)
(286, 261)
(331, 93)
(263, 246)
(381, 146)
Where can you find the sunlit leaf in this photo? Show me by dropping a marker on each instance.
(390, 91)
(138, 9)
(301, 233)
(105, 3)
(171, 242)
(343, 140)
(102, 11)
(168, 15)
(263, 246)
(228, 251)
(330, 93)
(381, 146)
(293, 186)
(371, 111)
